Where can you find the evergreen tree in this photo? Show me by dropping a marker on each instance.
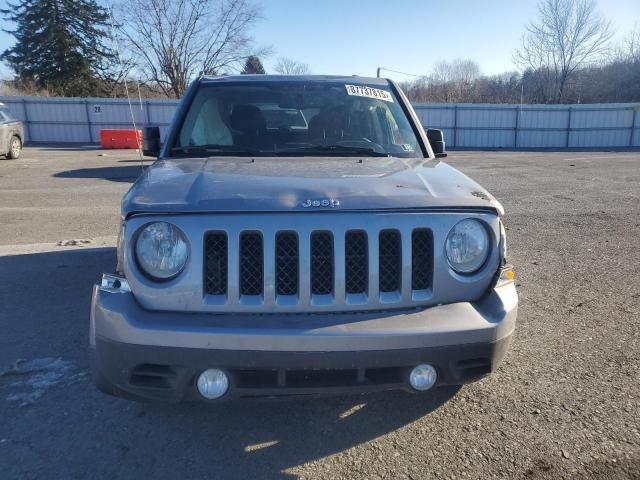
(59, 45)
(253, 65)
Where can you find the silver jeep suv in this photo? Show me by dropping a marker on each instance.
(300, 235)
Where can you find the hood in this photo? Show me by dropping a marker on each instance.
(285, 184)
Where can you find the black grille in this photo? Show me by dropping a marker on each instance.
(321, 263)
(390, 261)
(216, 264)
(421, 259)
(356, 262)
(286, 263)
(251, 264)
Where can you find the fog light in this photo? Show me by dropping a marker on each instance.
(423, 377)
(114, 284)
(213, 383)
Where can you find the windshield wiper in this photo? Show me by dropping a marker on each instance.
(212, 150)
(337, 149)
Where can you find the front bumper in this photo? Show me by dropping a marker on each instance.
(142, 354)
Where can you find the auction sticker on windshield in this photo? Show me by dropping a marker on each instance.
(369, 92)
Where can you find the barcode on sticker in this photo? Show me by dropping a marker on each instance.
(369, 92)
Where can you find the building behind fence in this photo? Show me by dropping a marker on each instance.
(79, 120)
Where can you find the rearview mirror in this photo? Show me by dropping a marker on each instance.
(151, 142)
(436, 139)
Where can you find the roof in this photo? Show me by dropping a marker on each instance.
(351, 79)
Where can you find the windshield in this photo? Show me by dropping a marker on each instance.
(6, 116)
(296, 118)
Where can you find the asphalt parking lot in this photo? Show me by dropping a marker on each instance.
(564, 404)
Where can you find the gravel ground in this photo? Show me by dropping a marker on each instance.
(564, 404)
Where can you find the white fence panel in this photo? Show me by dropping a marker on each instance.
(593, 139)
(475, 117)
(443, 116)
(542, 139)
(79, 120)
(57, 133)
(531, 117)
(466, 138)
(542, 126)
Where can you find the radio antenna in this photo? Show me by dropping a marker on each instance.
(116, 47)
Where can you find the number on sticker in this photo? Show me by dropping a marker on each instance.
(369, 92)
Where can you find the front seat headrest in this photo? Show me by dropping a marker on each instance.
(247, 118)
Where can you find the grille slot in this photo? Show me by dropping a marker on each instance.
(421, 259)
(356, 262)
(390, 258)
(321, 263)
(216, 263)
(251, 264)
(287, 260)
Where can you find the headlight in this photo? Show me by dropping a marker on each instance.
(161, 250)
(467, 246)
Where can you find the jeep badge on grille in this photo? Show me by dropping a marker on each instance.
(325, 202)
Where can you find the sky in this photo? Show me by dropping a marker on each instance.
(355, 37)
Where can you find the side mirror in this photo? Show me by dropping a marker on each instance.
(436, 139)
(151, 142)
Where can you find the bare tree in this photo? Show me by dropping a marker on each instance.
(456, 71)
(287, 66)
(455, 79)
(19, 88)
(629, 50)
(417, 90)
(176, 40)
(568, 35)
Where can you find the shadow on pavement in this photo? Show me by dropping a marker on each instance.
(45, 302)
(64, 147)
(265, 438)
(114, 174)
(76, 147)
(45, 298)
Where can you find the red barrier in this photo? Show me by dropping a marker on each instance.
(110, 138)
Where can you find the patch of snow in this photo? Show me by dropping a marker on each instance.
(39, 375)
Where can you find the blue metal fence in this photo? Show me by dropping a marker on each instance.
(79, 120)
(534, 126)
